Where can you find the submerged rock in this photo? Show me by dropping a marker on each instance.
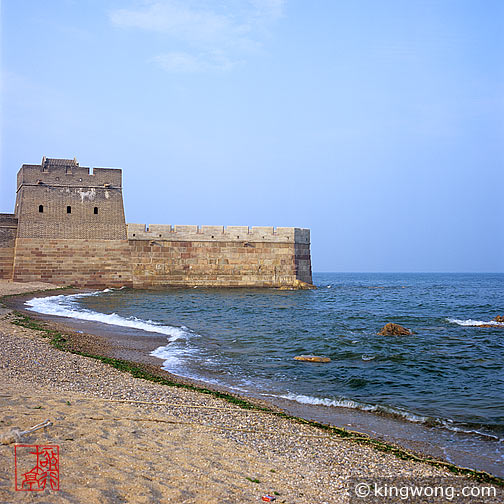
(298, 284)
(391, 329)
(312, 358)
(499, 319)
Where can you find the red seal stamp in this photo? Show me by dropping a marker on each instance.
(36, 467)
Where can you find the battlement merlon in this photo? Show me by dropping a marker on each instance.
(68, 176)
(167, 232)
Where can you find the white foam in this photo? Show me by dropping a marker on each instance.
(474, 323)
(448, 424)
(348, 403)
(172, 357)
(174, 360)
(65, 306)
(343, 403)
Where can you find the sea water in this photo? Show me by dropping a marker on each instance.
(448, 375)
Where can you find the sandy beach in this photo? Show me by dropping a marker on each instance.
(127, 440)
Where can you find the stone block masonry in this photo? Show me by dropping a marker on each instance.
(216, 256)
(8, 232)
(83, 263)
(218, 233)
(69, 229)
(57, 200)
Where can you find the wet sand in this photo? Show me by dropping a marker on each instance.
(192, 448)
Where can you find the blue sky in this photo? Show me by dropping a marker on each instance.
(378, 125)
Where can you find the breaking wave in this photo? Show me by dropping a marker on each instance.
(348, 403)
(66, 306)
(405, 415)
(474, 323)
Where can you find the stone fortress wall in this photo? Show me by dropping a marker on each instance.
(8, 233)
(230, 256)
(69, 228)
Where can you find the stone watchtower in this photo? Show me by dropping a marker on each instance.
(59, 199)
(71, 228)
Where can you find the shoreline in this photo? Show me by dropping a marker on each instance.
(145, 374)
(99, 344)
(134, 346)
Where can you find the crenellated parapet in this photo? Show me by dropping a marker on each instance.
(267, 234)
(68, 173)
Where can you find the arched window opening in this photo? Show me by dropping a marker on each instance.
(69, 209)
(41, 208)
(96, 210)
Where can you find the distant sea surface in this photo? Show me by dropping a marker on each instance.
(448, 375)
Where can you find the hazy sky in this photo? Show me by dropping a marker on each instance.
(377, 124)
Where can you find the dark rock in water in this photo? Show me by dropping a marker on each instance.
(499, 318)
(312, 358)
(395, 330)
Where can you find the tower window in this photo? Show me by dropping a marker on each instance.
(69, 209)
(96, 210)
(41, 208)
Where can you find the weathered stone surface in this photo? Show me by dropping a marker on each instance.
(391, 329)
(212, 263)
(312, 358)
(83, 263)
(64, 201)
(8, 231)
(69, 228)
